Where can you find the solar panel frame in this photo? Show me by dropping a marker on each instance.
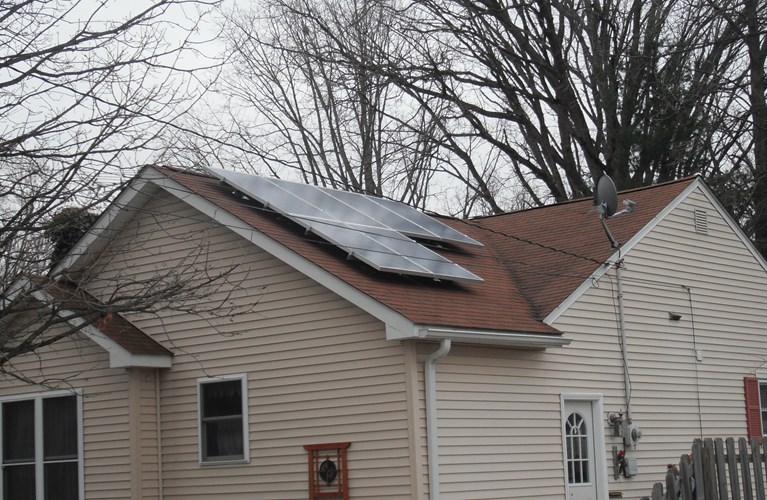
(385, 248)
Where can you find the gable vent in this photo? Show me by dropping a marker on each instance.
(701, 222)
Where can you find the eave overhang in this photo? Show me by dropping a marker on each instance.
(119, 356)
(519, 340)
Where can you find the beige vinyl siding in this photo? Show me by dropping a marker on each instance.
(318, 368)
(499, 421)
(499, 409)
(726, 322)
(77, 363)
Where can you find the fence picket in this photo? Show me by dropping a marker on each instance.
(672, 483)
(745, 469)
(697, 467)
(717, 470)
(685, 474)
(732, 467)
(721, 477)
(709, 484)
(757, 463)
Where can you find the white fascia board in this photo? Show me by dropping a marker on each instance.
(23, 283)
(622, 251)
(497, 338)
(397, 326)
(119, 357)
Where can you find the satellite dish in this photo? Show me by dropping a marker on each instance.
(606, 197)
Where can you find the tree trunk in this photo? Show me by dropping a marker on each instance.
(758, 86)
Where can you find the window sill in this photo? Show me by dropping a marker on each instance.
(213, 463)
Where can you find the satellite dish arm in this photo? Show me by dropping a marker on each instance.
(613, 242)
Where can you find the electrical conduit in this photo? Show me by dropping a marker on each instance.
(624, 349)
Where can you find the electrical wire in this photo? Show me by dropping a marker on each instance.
(695, 351)
(535, 243)
(361, 229)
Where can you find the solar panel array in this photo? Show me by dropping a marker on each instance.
(373, 230)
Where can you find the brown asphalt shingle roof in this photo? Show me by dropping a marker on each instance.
(548, 276)
(522, 283)
(70, 297)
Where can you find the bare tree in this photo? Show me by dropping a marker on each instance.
(749, 20)
(573, 89)
(85, 93)
(300, 103)
(550, 94)
(644, 91)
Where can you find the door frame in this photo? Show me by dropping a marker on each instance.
(600, 451)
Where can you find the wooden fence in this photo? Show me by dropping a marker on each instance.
(717, 470)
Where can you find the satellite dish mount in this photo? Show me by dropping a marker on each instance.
(606, 200)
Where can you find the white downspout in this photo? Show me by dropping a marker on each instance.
(432, 443)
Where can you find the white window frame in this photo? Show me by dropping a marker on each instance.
(243, 378)
(39, 458)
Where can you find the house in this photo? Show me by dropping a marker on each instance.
(314, 368)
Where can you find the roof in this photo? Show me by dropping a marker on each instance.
(551, 250)
(115, 327)
(532, 260)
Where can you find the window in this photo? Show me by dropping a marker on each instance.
(763, 404)
(577, 439)
(223, 419)
(41, 450)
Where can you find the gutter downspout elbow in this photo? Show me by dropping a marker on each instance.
(432, 443)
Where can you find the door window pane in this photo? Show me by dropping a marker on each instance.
(19, 431)
(576, 438)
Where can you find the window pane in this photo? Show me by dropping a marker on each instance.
(221, 398)
(60, 427)
(19, 482)
(19, 431)
(764, 422)
(577, 442)
(223, 438)
(61, 481)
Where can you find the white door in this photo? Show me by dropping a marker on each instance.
(580, 453)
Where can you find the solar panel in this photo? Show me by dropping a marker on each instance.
(403, 218)
(372, 230)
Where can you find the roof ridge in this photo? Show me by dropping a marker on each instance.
(583, 199)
